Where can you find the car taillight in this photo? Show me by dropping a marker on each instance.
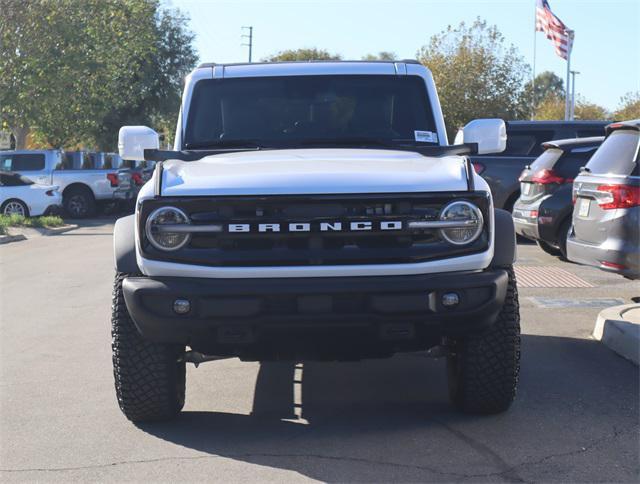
(547, 176)
(137, 178)
(113, 178)
(478, 167)
(618, 196)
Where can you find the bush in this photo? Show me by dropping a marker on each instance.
(20, 221)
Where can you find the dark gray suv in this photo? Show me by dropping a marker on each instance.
(606, 215)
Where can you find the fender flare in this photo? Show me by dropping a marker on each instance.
(124, 245)
(504, 245)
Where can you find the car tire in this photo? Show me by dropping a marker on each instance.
(563, 235)
(149, 378)
(14, 206)
(79, 202)
(482, 371)
(548, 248)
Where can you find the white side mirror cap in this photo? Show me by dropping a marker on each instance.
(133, 140)
(489, 134)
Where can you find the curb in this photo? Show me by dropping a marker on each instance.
(56, 230)
(5, 239)
(618, 328)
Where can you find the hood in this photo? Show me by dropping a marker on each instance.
(313, 171)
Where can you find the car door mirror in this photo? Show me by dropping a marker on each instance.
(133, 140)
(489, 134)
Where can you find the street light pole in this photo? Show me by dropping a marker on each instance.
(573, 94)
(250, 37)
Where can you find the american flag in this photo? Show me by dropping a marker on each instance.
(557, 32)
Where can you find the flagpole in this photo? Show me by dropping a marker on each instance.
(567, 98)
(533, 80)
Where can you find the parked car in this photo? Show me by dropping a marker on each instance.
(606, 216)
(543, 211)
(82, 188)
(21, 196)
(524, 140)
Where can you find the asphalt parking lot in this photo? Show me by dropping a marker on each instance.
(575, 418)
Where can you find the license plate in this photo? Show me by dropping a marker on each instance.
(526, 188)
(583, 210)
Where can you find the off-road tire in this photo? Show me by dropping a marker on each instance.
(149, 380)
(483, 370)
(79, 202)
(548, 248)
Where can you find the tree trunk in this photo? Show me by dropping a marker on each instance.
(20, 134)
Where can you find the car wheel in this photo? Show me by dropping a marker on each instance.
(15, 207)
(79, 203)
(548, 248)
(563, 235)
(149, 378)
(483, 370)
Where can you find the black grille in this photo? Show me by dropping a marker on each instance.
(314, 248)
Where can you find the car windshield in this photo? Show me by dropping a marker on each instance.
(618, 154)
(328, 110)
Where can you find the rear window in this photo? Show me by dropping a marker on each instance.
(618, 155)
(546, 160)
(526, 144)
(21, 162)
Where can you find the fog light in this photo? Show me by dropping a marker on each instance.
(181, 306)
(450, 299)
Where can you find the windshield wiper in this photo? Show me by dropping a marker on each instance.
(231, 143)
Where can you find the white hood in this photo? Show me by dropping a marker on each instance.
(313, 171)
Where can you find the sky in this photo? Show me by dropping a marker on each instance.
(606, 49)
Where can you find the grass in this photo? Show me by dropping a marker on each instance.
(20, 221)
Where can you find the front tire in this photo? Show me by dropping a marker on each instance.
(483, 370)
(149, 379)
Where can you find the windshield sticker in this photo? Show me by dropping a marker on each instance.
(426, 136)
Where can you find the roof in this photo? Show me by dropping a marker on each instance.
(404, 61)
(631, 124)
(567, 144)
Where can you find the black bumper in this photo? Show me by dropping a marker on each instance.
(246, 317)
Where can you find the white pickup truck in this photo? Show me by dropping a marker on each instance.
(82, 189)
(313, 210)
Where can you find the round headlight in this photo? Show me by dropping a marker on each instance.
(159, 237)
(466, 213)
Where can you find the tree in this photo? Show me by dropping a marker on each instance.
(73, 71)
(381, 56)
(629, 107)
(547, 84)
(476, 75)
(552, 108)
(305, 54)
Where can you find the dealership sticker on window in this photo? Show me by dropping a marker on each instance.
(426, 136)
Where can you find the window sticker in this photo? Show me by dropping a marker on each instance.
(426, 136)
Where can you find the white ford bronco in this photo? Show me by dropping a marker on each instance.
(313, 210)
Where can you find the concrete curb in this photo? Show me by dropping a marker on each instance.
(618, 327)
(5, 239)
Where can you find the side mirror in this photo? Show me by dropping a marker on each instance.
(489, 134)
(133, 140)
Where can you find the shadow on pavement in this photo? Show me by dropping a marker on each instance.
(390, 419)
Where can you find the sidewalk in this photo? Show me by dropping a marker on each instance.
(619, 328)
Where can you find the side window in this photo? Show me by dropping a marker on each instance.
(23, 162)
(519, 144)
(5, 162)
(588, 133)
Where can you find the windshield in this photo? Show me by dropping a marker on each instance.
(617, 155)
(295, 110)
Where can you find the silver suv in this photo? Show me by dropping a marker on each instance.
(606, 215)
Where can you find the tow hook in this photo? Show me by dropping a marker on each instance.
(196, 358)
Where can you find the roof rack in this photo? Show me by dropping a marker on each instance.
(405, 61)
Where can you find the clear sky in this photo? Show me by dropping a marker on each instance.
(606, 50)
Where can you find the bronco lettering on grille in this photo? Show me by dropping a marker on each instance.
(358, 226)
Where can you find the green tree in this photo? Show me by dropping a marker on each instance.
(305, 54)
(552, 108)
(476, 75)
(629, 107)
(73, 71)
(381, 56)
(546, 84)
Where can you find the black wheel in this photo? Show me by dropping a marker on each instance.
(79, 202)
(563, 235)
(483, 370)
(149, 379)
(548, 248)
(15, 207)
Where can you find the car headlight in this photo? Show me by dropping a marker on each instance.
(158, 228)
(466, 213)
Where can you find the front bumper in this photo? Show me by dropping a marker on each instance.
(251, 317)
